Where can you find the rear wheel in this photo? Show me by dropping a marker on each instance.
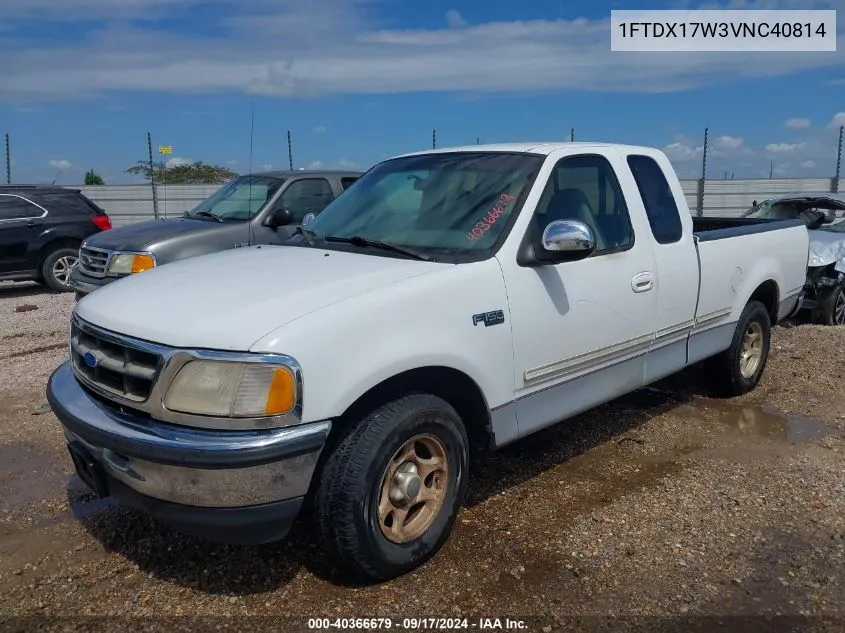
(832, 309)
(390, 491)
(57, 266)
(738, 369)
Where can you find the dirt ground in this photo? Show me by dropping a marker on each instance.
(665, 510)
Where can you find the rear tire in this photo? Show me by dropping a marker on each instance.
(57, 266)
(390, 491)
(738, 369)
(832, 309)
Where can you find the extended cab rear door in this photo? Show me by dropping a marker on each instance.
(661, 200)
(581, 329)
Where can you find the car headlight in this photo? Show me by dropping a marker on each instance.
(232, 389)
(128, 263)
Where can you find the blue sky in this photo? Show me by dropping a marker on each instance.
(356, 81)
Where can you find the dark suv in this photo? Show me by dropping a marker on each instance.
(41, 228)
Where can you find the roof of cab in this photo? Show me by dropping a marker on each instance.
(288, 173)
(545, 148)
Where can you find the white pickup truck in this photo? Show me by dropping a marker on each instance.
(450, 299)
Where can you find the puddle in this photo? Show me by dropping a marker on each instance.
(768, 422)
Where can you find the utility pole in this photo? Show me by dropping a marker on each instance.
(700, 209)
(477, 140)
(290, 152)
(152, 175)
(434, 139)
(9, 161)
(838, 161)
(572, 135)
(771, 169)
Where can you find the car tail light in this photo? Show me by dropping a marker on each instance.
(102, 222)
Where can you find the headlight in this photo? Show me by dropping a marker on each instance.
(127, 263)
(232, 389)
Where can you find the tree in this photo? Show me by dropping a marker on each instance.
(196, 173)
(92, 178)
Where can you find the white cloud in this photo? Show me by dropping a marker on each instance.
(455, 20)
(289, 49)
(266, 167)
(798, 123)
(837, 120)
(178, 161)
(808, 164)
(61, 164)
(321, 129)
(317, 164)
(679, 151)
(780, 148)
(728, 142)
(345, 164)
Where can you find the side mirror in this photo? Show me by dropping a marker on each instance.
(308, 219)
(568, 237)
(280, 216)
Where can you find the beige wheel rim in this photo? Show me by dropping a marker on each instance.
(751, 351)
(413, 487)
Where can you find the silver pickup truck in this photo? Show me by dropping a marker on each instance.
(261, 208)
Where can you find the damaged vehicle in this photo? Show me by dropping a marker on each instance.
(824, 215)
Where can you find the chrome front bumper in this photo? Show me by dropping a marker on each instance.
(203, 469)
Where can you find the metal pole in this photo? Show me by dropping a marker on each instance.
(434, 139)
(9, 162)
(152, 175)
(838, 161)
(700, 209)
(572, 135)
(290, 152)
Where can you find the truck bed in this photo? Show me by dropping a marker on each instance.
(709, 229)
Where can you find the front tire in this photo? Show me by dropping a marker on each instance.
(57, 266)
(390, 491)
(738, 369)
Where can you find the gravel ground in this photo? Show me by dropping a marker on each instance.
(664, 510)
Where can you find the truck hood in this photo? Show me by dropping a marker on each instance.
(141, 236)
(231, 299)
(827, 247)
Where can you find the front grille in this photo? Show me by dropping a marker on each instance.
(93, 261)
(118, 368)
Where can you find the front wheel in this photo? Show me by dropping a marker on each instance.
(390, 491)
(738, 369)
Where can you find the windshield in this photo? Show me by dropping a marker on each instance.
(239, 199)
(456, 203)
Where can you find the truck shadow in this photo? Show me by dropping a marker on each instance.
(164, 554)
(24, 290)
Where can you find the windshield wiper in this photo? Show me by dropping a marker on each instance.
(209, 214)
(308, 235)
(358, 240)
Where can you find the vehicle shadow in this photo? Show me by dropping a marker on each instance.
(26, 289)
(163, 553)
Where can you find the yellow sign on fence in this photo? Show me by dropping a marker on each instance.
(165, 149)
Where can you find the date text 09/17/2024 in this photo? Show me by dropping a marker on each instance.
(439, 624)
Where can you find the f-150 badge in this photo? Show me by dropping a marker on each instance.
(494, 317)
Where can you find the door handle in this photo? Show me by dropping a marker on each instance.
(642, 282)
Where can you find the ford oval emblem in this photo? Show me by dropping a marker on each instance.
(90, 359)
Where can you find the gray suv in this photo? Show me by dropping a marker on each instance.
(261, 208)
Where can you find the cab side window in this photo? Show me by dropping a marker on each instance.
(14, 208)
(659, 203)
(308, 195)
(584, 188)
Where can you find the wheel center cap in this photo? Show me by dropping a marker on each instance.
(406, 484)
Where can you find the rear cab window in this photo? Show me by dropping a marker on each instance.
(68, 203)
(658, 200)
(347, 181)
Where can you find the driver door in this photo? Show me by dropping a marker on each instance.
(300, 197)
(581, 329)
